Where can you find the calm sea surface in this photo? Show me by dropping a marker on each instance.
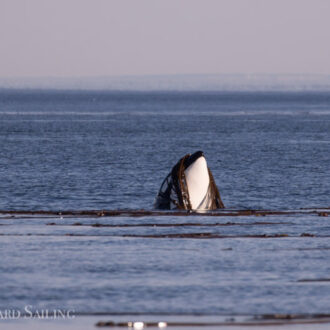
(75, 150)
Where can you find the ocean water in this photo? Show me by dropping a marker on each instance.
(94, 150)
(80, 150)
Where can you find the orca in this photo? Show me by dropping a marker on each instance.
(189, 186)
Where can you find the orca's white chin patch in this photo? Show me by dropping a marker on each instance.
(198, 180)
(189, 186)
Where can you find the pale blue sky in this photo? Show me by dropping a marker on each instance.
(145, 37)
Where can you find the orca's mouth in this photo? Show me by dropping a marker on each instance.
(192, 158)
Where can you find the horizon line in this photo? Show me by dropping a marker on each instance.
(165, 75)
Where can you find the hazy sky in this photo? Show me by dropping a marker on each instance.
(119, 37)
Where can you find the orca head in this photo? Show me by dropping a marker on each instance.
(197, 179)
(192, 158)
(190, 185)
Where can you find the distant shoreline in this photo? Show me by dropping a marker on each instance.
(172, 83)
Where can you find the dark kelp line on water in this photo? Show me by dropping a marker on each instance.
(211, 235)
(187, 224)
(145, 213)
(174, 235)
(258, 320)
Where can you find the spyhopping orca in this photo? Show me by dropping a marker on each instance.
(189, 186)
